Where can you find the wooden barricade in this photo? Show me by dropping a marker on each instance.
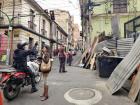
(135, 89)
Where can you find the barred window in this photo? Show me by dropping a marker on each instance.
(119, 6)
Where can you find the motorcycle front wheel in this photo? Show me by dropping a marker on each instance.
(11, 91)
(38, 78)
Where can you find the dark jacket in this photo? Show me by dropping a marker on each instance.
(20, 58)
(62, 57)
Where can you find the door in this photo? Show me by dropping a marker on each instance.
(30, 42)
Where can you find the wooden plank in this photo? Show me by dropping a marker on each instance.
(93, 51)
(83, 55)
(135, 87)
(125, 69)
(92, 61)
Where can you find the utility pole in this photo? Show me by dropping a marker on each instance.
(52, 30)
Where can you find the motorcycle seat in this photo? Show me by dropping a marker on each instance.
(7, 70)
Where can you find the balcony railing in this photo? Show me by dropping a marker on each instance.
(44, 32)
(31, 25)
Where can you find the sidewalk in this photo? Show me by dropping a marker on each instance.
(59, 84)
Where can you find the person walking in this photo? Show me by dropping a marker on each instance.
(45, 69)
(69, 57)
(62, 59)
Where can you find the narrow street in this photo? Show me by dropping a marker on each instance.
(59, 84)
(105, 32)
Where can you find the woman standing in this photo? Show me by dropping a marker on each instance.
(45, 69)
(69, 57)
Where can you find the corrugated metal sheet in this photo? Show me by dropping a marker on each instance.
(124, 70)
(111, 44)
(124, 46)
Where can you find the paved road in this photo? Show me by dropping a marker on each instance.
(59, 84)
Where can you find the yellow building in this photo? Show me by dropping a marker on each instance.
(111, 15)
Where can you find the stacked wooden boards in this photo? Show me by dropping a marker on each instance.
(124, 70)
(92, 53)
(89, 51)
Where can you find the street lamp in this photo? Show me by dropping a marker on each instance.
(9, 29)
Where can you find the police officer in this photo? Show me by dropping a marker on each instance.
(20, 62)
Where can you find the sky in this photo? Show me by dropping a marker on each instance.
(70, 5)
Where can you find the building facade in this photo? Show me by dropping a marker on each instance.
(29, 22)
(65, 20)
(86, 22)
(111, 15)
(76, 35)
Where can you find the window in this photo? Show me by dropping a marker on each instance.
(42, 44)
(31, 22)
(44, 24)
(119, 6)
(30, 42)
(44, 32)
(32, 16)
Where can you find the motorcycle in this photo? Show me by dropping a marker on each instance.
(34, 66)
(12, 81)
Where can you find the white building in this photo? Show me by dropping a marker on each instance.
(29, 23)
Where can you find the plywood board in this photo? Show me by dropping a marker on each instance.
(125, 69)
(135, 87)
(83, 55)
(92, 61)
(92, 51)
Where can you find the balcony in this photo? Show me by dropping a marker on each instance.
(31, 25)
(44, 32)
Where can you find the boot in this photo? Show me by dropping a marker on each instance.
(43, 92)
(46, 93)
(34, 89)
